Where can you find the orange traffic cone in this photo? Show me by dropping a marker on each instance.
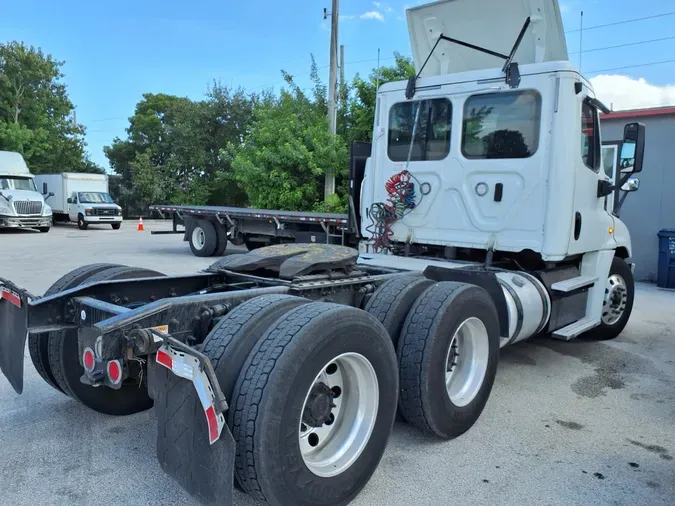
(140, 227)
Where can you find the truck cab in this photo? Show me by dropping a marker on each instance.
(501, 143)
(21, 205)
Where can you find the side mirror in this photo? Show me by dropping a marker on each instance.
(44, 189)
(51, 194)
(632, 185)
(632, 149)
(69, 200)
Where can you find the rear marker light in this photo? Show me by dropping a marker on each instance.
(114, 371)
(89, 359)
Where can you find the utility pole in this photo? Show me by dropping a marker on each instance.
(329, 186)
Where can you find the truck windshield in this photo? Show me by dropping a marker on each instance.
(17, 183)
(94, 198)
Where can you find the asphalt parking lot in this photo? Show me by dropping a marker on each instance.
(567, 423)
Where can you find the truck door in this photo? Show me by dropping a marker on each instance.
(72, 207)
(591, 220)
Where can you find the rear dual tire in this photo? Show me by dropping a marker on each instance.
(57, 359)
(448, 354)
(275, 460)
(206, 239)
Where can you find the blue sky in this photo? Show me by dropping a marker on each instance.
(115, 51)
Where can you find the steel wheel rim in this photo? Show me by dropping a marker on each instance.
(616, 299)
(198, 238)
(331, 449)
(466, 362)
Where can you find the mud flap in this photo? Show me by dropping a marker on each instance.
(13, 332)
(205, 470)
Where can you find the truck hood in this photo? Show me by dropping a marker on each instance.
(21, 195)
(488, 24)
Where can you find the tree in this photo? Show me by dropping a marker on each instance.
(282, 161)
(35, 112)
(358, 114)
(172, 152)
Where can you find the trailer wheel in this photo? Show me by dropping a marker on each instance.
(618, 302)
(81, 224)
(234, 336)
(391, 302)
(314, 406)
(448, 354)
(221, 246)
(203, 238)
(38, 344)
(64, 361)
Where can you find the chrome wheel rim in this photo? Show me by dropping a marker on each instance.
(198, 238)
(332, 447)
(467, 361)
(616, 299)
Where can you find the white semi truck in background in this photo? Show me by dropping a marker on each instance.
(483, 219)
(21, 205)
(80, 197)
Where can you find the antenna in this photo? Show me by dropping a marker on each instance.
(377, 79)
(581, 38)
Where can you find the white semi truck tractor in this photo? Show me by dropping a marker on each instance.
(483, 217)
(21, 205)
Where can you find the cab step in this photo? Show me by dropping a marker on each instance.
(575, 329)
(569, 285)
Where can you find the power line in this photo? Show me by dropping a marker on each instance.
(624, 45)
(630, 66)
(633, 20)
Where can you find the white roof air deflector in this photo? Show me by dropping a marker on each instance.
(487, 24)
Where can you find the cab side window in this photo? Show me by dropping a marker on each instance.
(73, 198)
(590, 137)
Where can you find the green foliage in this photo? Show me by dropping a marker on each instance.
(283, 160)
(359, 112)
(232, 148)
(35, 112)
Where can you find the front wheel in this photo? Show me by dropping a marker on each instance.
(116, 226)
(81, 224)
(617, 303)
(44, 230)
(314, 406)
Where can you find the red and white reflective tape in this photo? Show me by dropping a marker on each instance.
(10, 296)
(186, 366)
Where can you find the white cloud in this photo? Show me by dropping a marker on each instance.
(377, 4)
(623, 92)
(564, 8)
(373, 15)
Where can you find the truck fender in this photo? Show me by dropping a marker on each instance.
(484, 279)
(621, 238)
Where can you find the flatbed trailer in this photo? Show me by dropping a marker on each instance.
(208, 228)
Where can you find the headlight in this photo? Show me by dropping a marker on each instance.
(88, 212)
(5, 209)
(47, 211)
(119, 211)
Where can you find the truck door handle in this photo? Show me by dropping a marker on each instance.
(499, 190)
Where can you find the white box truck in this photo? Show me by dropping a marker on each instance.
(80, 197)
(21, 205)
